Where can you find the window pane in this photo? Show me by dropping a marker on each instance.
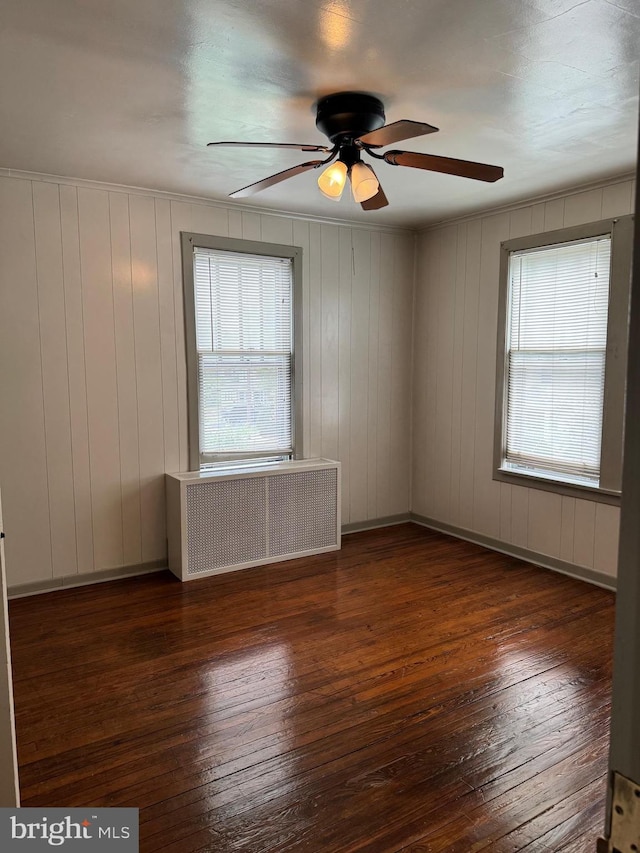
(243, 302)
(555, 410)
(560, 297)
(245, 403)
(556, 344)
(244, 333)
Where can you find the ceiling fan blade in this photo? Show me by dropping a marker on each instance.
(448, 165)
(275, 179)
(379, 200)
(293, 145)
(396, 132)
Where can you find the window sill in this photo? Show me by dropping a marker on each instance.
(242, 462)
(254, 470)
(558, 487)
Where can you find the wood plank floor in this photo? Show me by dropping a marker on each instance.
(409, 693)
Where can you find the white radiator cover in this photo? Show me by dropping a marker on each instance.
(221, 521)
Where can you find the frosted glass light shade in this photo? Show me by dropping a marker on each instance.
(331, 182)
(364, 183)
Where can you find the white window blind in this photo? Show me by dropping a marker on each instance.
(556, 351)
(244, 341)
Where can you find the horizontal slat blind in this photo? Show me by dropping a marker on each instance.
(556, 348)
(244, 339)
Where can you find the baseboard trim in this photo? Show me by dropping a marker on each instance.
(374, 523)
(24, 590)
(544, 561)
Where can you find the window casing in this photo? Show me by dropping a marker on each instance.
(562, 339)
(243, 350)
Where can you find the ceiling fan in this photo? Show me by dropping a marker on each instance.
(354, 122)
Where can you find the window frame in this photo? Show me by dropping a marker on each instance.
(621, 231)
(189, 242)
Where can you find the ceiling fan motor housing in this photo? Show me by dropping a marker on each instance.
(355, 124)
(349, 115)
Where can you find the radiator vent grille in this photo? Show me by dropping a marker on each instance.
(302, 511)
(225, 524)
(229, 519)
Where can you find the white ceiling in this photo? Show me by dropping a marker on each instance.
(130, 92)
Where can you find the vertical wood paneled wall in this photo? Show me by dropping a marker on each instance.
(455, 333)
(93, 377)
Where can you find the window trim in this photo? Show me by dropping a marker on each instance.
(621, 230)
(189, 241)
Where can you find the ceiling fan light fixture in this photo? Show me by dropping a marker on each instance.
(354, 123)
(331, 182)
(364, 184)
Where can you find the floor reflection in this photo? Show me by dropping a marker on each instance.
(248, 694)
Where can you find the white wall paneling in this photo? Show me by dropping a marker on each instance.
(372, 375)
(584, 528)
(55, 377)
(277, 229)
(344, 364)
(23, 458)
(211, 220)
(544, 523)
(455, 325)
(444, 346)
(313, 369)
(361, 260)
(330, 336)
(251, 226)
(520, 517)
(235, 223)
(401, 377)
(181, 220)
(617, 197)
(301, 238)
(486, 505)
(9, 783)
(567, 525)
(146, 323)
(128, 424)
(384, 364)
(583, 207)
(605, 545)
(469, 346)
(167, 316)
(101, 378)
(456, 372)
(76, 365)
(92, 365)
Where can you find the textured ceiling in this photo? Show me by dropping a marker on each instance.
(130, 92)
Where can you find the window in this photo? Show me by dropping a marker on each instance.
(561, 358)
(240, 309)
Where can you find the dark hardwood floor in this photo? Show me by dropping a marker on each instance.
(409, 693)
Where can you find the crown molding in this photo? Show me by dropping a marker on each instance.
(525, 202)
(322, 220)
(203, 200)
